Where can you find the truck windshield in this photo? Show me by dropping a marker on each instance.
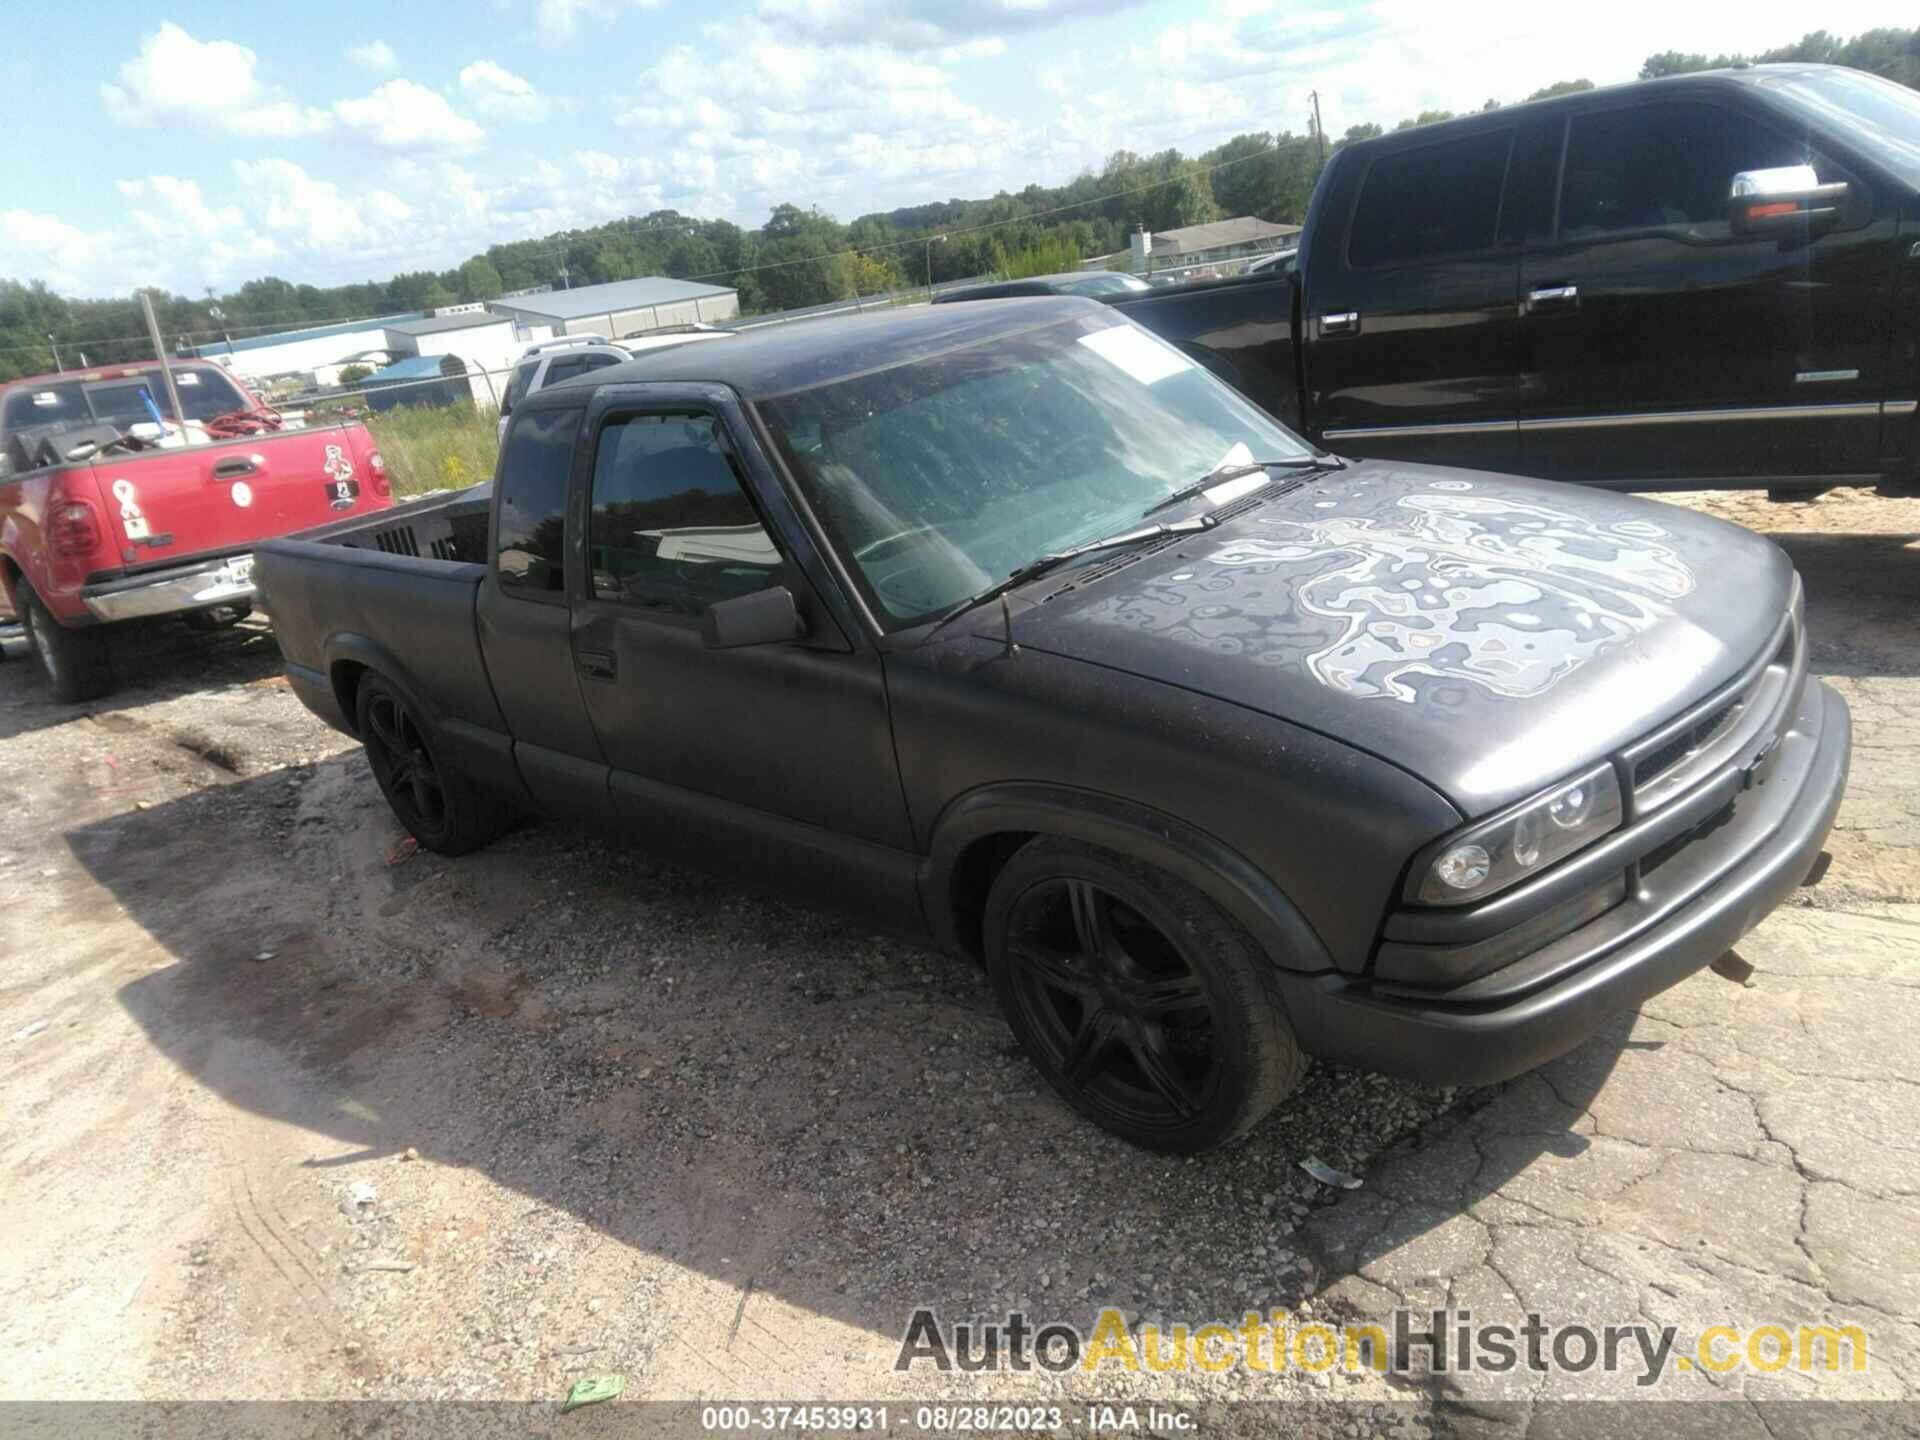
(1876, 116)
(939, 476)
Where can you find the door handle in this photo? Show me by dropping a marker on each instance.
(1553, 296)
(1345, 322)
(234, 466)
(597, 664)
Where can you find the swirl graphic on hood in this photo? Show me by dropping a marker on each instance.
(1506, 594)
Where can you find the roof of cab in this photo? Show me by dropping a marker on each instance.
(760, 364)
(1746, 76)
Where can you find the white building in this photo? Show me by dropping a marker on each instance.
(619, 309)
(485, 342)
(317, 350)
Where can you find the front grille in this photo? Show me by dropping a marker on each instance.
(1668, 763)
(1690, 741)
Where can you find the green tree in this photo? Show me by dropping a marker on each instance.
(1561, 87)
(479, 280)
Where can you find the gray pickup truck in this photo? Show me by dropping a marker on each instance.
(1010, 626)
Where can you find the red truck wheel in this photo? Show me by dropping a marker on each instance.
(74, 662)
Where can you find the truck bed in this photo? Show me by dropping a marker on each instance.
(396, 590)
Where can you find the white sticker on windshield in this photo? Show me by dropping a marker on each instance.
(45, 397)
(186, 377)
(1141, 356)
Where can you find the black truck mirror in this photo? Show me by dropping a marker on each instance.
(1782, 201)
(763, 618)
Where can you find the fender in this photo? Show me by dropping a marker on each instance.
(1127, 828)
(484, 756)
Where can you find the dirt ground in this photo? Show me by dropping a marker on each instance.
(293, 1111)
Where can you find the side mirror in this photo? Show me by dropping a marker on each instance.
(1785, 200)
(765, 617)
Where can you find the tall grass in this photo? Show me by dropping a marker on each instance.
(440, 448)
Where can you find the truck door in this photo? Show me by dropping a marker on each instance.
(1408, 326)
(1658, 346)
(524, 620)
(775, 760)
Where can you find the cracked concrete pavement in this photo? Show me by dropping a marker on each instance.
(1736, 1154)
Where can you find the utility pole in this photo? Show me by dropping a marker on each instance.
(1319, 128)
(166, 370)
(54, 346)
(930, 240)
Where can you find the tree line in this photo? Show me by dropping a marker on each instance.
(803, 256)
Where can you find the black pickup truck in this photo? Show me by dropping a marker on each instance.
(1709, 280)
(1010, 626)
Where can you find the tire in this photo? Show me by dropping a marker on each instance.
(221, 617)
(74, 663)
(439, 807)
(1177, 1040)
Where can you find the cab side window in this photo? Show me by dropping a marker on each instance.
(1436, 200)
(1663, 167)
(671, 528)
(530, 544)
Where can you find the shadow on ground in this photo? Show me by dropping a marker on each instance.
(152, 660)
(742, 1086)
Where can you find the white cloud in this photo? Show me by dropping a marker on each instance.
(375, 55)
(176, 79)
(922, 24)
(558, 21)
(72, 261)
(401, 115)
(987, 47)
(498, 93)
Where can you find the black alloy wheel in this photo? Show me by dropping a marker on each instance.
(404, 765)
(1143, 1004)
(1122, 1015)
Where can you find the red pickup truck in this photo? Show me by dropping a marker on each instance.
(113, 508)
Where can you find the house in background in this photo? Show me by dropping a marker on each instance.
(1225, 245)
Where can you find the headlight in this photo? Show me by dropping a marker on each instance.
(1487, 857)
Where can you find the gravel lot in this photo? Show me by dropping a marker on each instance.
(312, 1115)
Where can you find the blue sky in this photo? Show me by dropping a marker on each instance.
(204, 144)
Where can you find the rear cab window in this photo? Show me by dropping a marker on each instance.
(529, 548)
(34, 415)
(1431, 201)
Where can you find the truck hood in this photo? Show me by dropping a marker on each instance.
(1486, 633)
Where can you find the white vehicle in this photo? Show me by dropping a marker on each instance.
(548, 362)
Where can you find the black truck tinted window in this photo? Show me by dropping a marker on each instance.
(1666, 166)
(530, 552)
(671, 528)
(1437, 200)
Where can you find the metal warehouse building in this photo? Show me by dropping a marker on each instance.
(619, 309)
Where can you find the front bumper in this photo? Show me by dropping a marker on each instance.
(1494, 1029)
(226, 581)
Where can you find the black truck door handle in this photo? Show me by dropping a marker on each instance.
(1344, 322)
(596, 664)
(1554, 297)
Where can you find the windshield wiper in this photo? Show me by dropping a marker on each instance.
(1039, 566)
(1233, 472)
